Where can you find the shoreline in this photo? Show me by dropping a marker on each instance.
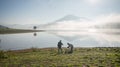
(15, 31)
(49, 48)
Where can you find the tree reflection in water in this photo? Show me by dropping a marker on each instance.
(34, 34)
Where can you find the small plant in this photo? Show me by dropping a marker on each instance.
(2, 54)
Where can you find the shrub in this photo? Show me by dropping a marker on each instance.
(2, 54)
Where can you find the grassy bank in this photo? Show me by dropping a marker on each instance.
(48, 57)
(10, 31)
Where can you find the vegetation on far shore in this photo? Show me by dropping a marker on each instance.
(10, 31)
(48, 57)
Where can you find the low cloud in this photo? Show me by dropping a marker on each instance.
(111, 18)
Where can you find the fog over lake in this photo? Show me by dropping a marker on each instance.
(90, 38)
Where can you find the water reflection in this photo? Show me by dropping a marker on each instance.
(101, 38)
(34, 34)
(89, 38)
(73, 35)
(69, 35)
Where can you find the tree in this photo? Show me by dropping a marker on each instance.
(34, 27)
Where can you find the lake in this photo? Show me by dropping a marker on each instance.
(90, 38)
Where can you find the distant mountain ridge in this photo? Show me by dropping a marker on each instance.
(1, 26)
(21, 26)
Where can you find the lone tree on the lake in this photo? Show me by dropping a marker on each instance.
(34, 27)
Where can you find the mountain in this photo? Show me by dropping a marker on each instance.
(3, 27)
(69, 22)
(68, 18)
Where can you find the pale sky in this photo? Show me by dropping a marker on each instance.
(45, 11)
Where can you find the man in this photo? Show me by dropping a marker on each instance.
(71, 48)
(60, 46)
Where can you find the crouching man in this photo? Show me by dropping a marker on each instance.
(70, 47)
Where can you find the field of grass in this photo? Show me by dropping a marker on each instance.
(48, 57)
(10, 31)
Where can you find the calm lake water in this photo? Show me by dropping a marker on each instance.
(90, 38)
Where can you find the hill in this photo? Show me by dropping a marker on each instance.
(3, 27)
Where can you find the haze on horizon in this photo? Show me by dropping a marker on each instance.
(45, 11)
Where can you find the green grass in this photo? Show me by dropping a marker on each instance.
(48, 57)
(10, 31)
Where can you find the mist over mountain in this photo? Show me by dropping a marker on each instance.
(72, 22)
(69, 22)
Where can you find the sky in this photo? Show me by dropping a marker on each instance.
(46, 11)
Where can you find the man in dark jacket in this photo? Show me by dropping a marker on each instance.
(60, 46)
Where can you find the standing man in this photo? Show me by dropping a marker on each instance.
(60, 46)
(71, 48)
